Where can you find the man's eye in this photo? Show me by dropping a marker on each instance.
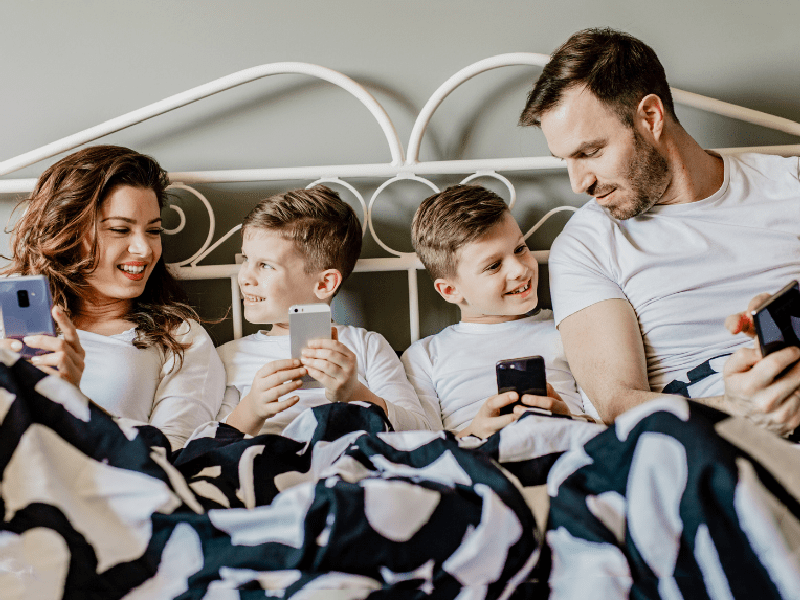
(591, 153)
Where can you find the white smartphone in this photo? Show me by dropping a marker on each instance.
(308, 322)
(25, 309)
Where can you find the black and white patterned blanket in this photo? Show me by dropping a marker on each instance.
(673, 501)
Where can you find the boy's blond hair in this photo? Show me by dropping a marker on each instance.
(324, 228)
(450, 219)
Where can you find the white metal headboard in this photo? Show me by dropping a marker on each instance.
(401, 167)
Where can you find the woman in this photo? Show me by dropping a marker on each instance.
(93, 226)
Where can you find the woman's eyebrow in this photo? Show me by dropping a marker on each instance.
(129, 220)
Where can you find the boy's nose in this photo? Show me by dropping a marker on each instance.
(245, 277)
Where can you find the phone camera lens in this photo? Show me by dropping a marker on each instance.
(22, 299)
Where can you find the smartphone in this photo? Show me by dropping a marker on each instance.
(26, 309)
(308, 322)
(777, 320)
(522, 375)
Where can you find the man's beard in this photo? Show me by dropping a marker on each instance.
(647, 177)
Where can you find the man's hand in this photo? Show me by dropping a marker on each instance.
(743, 322)
(489, 420)
(65, 355)
(272, 381)
(762, 389)
(551, 402)
(334, 365)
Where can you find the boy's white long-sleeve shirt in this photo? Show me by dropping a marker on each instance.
(379, 370)
(453, 371)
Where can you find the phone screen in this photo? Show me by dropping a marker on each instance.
(777, 321)
(522, 375)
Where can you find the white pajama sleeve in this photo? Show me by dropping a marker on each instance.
(229, 401)
(419, 371)
(189, 396)
(386, 378)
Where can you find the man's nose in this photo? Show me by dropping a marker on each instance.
(580, 178)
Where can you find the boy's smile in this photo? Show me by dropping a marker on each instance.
(496, 277)
(273, 277)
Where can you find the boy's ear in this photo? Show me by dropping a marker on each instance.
(448, 290)
(328, 282)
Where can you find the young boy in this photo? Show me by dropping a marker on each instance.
(476, 255)
(298, 248)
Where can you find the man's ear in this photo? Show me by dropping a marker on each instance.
(449, 291)
(650, 115)
(328, 282)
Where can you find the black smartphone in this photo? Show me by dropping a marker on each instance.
(777, 320)
(26, 309)
(522, 375)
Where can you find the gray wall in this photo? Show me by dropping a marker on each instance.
(70, 65)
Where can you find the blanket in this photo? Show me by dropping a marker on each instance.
(673, 501)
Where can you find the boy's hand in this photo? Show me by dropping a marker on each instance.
(489, 420)
(65, 355)
(272, 381)
(334, 365)
(551, 402)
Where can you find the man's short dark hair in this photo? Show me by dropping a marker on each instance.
(616, 67)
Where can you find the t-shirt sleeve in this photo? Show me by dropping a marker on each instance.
(578, 278)
(419, 371)
(386, 378)
(188, 394)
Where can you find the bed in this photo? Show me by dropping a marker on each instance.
(340, 506)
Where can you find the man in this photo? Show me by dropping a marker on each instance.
(675, 239)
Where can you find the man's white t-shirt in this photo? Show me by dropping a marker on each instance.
(379, 370)
(453, 371)
(146, 385)
(685, 267)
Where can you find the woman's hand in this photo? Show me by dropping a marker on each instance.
(65, 355)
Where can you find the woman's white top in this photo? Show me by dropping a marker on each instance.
(146, 385)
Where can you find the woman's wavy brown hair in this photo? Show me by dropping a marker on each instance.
(61, 213)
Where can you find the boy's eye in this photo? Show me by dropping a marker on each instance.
(521, 248)
(265, 266)
(494, 266)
